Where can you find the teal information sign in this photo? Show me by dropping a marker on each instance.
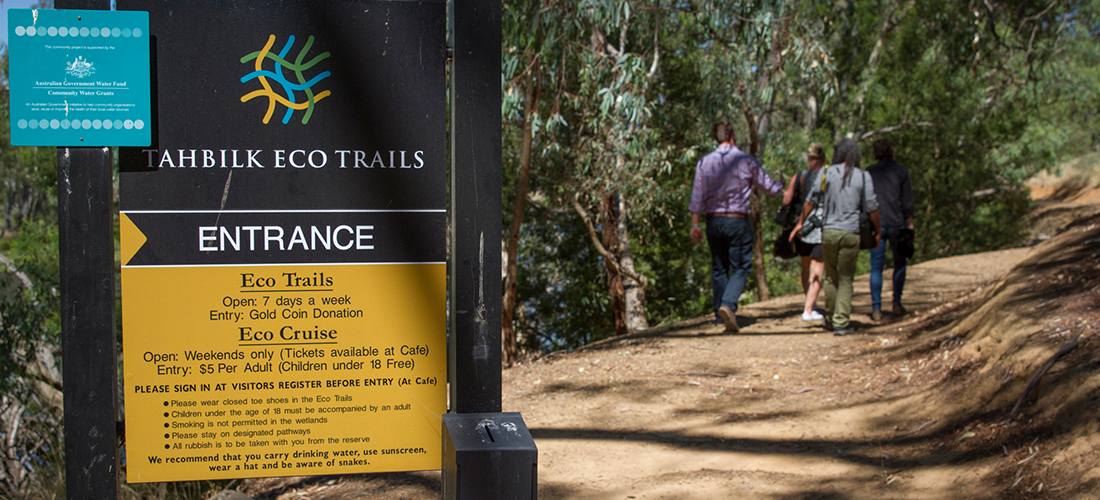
(79, 77)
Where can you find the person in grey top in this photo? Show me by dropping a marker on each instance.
(894, 190)
(845, 192)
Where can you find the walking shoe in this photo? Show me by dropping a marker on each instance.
(728, 318)
(827, 324)
(841, 331)
(876, 315)
(813, 316)
(899, 310)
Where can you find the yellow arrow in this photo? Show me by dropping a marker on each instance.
(131, 238)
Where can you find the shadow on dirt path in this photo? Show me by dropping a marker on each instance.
(781, 410)
(912, 407)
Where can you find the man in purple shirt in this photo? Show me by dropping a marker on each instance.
(724, 179)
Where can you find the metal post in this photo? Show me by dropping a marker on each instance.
(475, 293)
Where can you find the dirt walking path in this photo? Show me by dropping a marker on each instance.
(782, 409)
(915, 407)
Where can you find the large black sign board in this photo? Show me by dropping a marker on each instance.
(283, 241)
(384, 113)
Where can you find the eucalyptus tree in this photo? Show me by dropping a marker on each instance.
(584, 72)
(525, 31)
(617, 152)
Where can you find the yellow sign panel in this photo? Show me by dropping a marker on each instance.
(283, 370)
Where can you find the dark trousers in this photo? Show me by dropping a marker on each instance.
(730, 241)
(878, 262)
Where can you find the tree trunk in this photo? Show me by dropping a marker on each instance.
(763, 126)
(508, 330)
(9, 208)
(635, 292)
(609, 216)
(11, 418)
(30, 199)
(810, 116)
(763, 292)
(612, 261)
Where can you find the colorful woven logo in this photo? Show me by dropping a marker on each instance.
(295, 95)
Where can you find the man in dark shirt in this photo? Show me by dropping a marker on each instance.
(895, 196)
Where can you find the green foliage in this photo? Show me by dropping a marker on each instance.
(976, 96)
(34, 250)
(29, 296)
(23, 320)
(29, 311)
(28, 303)
(678, 269)
(562, 296)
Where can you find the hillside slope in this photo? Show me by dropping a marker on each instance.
(917, 407)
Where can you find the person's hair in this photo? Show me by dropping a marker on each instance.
(883, 149)
(816, 150)
(723, 132)
(847, 152)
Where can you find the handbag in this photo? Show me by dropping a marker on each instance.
(783, 248)
(787, 215)
(811, 226)
(866, 231)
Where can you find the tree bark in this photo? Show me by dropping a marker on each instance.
(595, 239)
(509, 350)
(609, 215)
(634, 291)
(611, 260)
(11, 418)
(763, 291)
(810, 117)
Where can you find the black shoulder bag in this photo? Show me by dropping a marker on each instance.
(866, 231)
(787, 215)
